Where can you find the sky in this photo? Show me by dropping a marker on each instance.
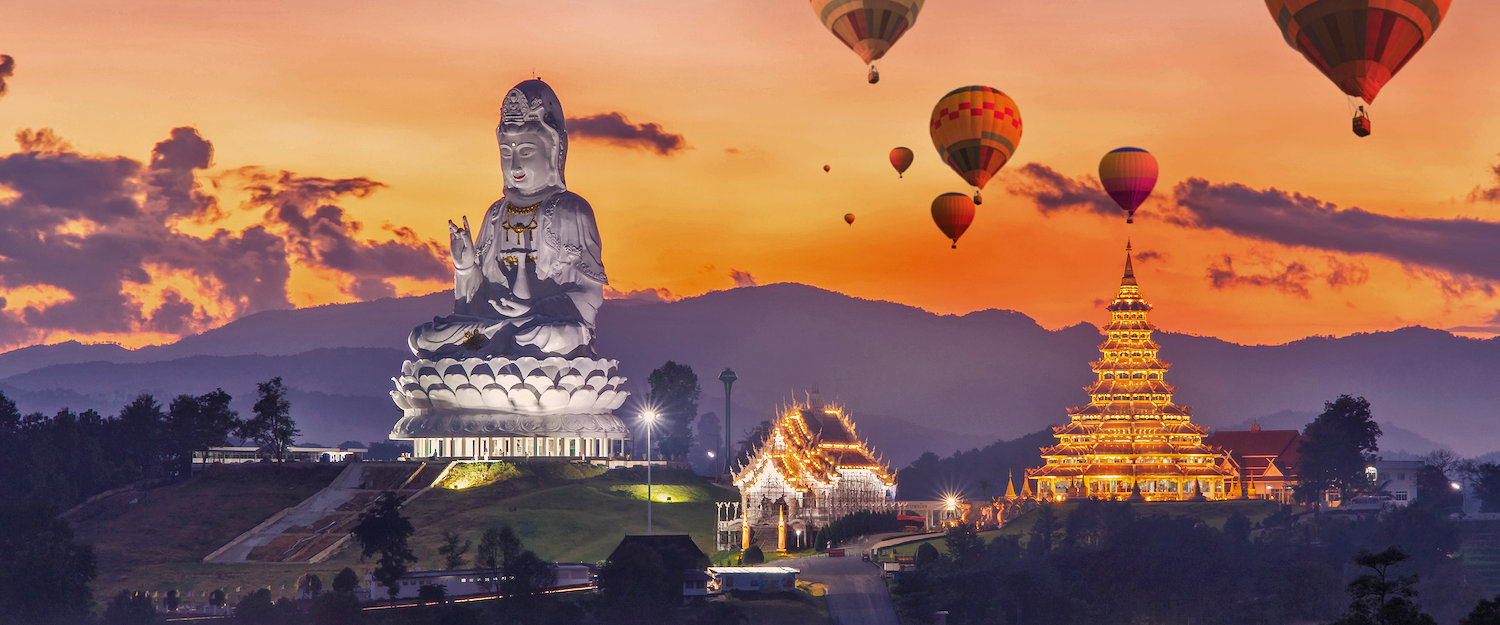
(178, 165)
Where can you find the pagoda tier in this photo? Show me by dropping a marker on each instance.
(1130, 436)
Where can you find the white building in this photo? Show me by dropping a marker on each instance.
(458, 583)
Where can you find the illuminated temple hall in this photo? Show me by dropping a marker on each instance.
(812, 469)
(1131, 435)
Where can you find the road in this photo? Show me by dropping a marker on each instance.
(856, 591)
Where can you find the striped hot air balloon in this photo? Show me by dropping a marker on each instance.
(901, 159)
(953, 212)
(1128, 175)
(976, 130)
(1358, 44)
(868, 27)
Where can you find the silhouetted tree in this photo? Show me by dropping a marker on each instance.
(272, 427)
(452, 552)
(1340, 443)
(197, 423)
(636, 587)
(1487, 487)
(129, 608)
(1486, 612)
(1380, 597)
(753, 555)
(336, 608)
(44, 575)
(346, 581)
(383, 530)
(674, 393)
(754, 438)
(256, 608)
(142, 428)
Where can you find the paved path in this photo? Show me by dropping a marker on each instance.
(856, 590)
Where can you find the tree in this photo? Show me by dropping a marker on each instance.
(1435, 491)
(927, 556)
(753, 555)
(1486, 612)
(336, 608)
(256, 609)
(1487, 487)
(497, 546)
(1379, 598)
(218, 598)
(674, 392)
(452, 552)
(1340, 443)
(172, 601)
(309, 586)
(1043, 532)
(142, 436)
(129, 608)
(754, 438)
(346, 581)
(197, 423)
(272, 427)
(44, 575)
(636, 586)
(383, 530)
(432, 593)
(525, 577)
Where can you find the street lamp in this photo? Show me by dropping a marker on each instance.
(727, 377)
(649, 416)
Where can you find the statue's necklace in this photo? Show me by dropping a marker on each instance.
(519, 228)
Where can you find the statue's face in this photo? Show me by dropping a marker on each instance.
(526, 157)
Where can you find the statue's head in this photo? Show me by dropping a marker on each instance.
(533, 141)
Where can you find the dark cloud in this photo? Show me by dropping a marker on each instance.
(1490, 194)
(1460, 247)
(1149, 255)
(1491, 326)
(614, 128)
(1291, 278)
(741, 278)
(1053, 192)
(103, 229)
(657, 295)
(7, 69)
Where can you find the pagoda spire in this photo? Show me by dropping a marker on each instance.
(1129, 277)
(1010, 486)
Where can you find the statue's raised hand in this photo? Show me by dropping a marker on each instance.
(461, 243)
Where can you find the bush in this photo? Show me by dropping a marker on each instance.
(753, 555)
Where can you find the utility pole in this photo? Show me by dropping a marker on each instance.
(728, 378)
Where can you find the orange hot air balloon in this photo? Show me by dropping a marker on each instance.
(826, 168)
(953, 212)
(849, 218)
(976, 130)
(1128, 176)
(1358, 44)
(869, 27)
(901, 159)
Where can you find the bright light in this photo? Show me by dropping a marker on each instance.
(952, 502)
(649, 416)
(1456, 486)
(710, 454)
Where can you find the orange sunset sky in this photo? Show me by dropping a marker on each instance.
(1270, 222)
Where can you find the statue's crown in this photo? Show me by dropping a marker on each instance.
(517, 109)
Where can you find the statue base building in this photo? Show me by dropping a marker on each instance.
(503, 408)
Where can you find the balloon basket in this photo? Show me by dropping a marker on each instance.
(1362, 126)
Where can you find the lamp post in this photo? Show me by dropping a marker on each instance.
(727, 377)
(649, 416)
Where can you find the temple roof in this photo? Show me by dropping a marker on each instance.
(1255, 449)
(812, 444)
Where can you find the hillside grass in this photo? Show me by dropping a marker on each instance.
(563, 512)
(155, 539)
(1211, 513)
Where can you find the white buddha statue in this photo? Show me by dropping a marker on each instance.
(532, 281)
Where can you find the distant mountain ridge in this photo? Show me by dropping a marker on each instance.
(914, 381)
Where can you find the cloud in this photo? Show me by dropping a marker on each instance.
(741, 278)
(657, 295)
(101, 232)
(1460, 247)
(1491, 194)
(1291, 278)
(1490, 326)
(1149, 255)
(1053, 192)
(7, 69)
(614, 128)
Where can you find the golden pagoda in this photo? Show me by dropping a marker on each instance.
(1131, 441)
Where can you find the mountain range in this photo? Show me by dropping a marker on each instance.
(914, 381)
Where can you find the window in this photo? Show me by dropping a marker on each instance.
(1399, 495)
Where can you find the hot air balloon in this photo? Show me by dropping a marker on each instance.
(849, 218)
(901, 159)
(953, 212)
(826, 168)
(1128, 175)
(869, 27)
(1358, 44)
(975, 130)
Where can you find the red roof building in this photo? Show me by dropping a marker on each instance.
(1267, 460)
